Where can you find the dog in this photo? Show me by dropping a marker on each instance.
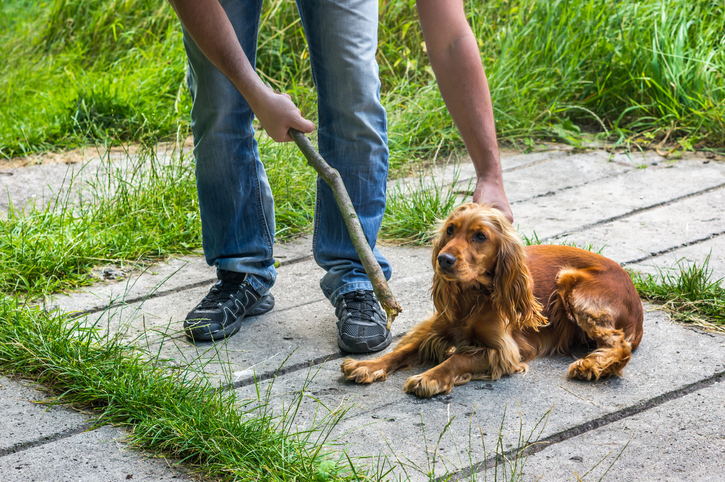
(499, 304)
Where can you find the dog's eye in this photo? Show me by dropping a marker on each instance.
(449, 230)
(480, 237)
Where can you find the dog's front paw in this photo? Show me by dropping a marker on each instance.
(585, 369)
(362, 371)
(426, 386)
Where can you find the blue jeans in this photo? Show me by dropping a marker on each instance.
(237, 209)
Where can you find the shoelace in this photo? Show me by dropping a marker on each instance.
(361, 304)
(218, 292)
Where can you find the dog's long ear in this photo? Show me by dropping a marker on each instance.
(513, 296)
(445, 294)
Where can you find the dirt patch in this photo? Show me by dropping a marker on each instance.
(81, 155)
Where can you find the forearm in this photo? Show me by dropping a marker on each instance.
(456, 62)
(209, 26)
(464, 87)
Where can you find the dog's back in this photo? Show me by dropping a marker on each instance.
(585, 296)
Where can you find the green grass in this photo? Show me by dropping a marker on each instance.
(414, 210)
(534, 239)
(689, 293)
(172, 413)
(76, 73)
(144, 210)
(150, 212)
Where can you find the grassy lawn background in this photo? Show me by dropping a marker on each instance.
(111, 71)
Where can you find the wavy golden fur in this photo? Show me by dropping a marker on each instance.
(492, 300)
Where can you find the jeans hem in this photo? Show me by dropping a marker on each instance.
(348, 288)
(258, 283)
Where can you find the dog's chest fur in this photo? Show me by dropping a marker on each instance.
(478, 328)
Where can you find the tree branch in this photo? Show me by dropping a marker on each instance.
(371, 265)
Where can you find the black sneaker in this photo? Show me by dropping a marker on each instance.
(361, 323)
(220, 313)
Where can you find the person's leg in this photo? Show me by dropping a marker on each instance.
(352, 138)
(235, 200)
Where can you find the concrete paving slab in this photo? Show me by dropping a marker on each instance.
(680, 440)
(25, 420)
(300, 328)
(89, 456)
(21, 185)
(670, 262)
(171, 275)
(383, 414)
(595, 200)
(81, 170)
(544, 175)
(511, 160)
(462, 169)
(575, 209)
(559, 174)
(70, 184)
(641, 235)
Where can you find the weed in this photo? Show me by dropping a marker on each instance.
(413, 211)
(534, 239)
(142, 211)
(531, 240)
(503, 463)
(687, 292)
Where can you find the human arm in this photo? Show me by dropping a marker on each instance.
(209, 26)
(454, 56)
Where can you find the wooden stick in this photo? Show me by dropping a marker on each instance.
(371, 265)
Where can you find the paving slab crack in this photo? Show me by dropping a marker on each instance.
(573, 186)
(288, 369)
(531, 164)
(284, 370)
(558, 437)
(634, 212)
(46, 440)
(546, 194)
(158, 294)
(673, 248)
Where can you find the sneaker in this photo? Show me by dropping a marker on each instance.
(220, 313)
(362, 325)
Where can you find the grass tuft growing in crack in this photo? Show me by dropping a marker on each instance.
(415, 208)
(171, 413)
(688, 293)
(505, 462)
(143, 210)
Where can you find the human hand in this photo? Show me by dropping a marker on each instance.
(277, 113)
(491, 193)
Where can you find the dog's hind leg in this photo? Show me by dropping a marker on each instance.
(589, 309)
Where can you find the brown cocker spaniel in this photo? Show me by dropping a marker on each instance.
(493, 297)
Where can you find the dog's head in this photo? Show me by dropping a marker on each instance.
(478, 248)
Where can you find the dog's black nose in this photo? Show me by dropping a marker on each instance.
(446, 260)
